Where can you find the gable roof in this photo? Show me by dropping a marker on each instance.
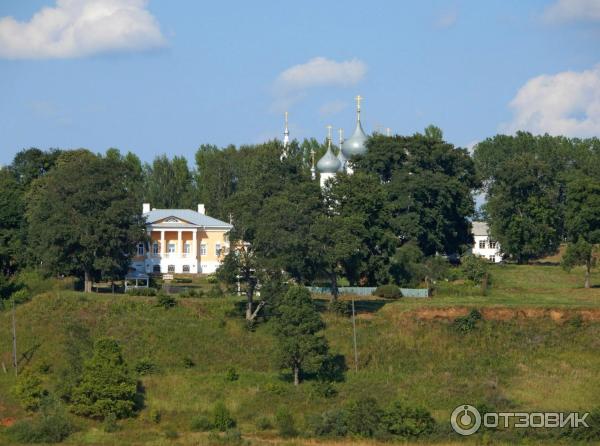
(480, 228)
(188, 215)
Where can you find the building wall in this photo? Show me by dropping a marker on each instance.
(492, 254)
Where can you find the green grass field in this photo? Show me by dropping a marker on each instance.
(519, 360)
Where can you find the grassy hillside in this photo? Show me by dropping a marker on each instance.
(515, 359)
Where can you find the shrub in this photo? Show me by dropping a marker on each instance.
(264, 424)
(106, 386)
(323, 389)
(110, 423)
(467, 323)
(232, 374)
(404, 421)
(29, 391)
(21, 296)
(165, 300)
(341, 307)
(474, 268)
(142, 291)
(389, 291)
(222, 419)
(364, 416)
(215, 291)
(52, 426)
(212, 278)
(589, 434)
(284, 421)
(201, 423)
(155, 416)
(145, 366)
(188, 362)
(332, 423)
(332, 368)
(183, 280)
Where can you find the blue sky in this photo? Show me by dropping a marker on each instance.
(166, 76)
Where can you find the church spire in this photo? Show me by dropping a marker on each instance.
(358, 99)
(286, 139)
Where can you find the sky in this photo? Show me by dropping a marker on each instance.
(165, 76)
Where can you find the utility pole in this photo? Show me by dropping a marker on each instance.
(354, 336)
(14, 333)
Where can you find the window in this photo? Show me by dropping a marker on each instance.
(171, 248)
(203, 249)
(492, 244)
(155, 248)
(171, 268)
(218, 250)
(140, 249)
(187, 248)
(186, 268)
(156, 268)
(481, 244)
(493, 259)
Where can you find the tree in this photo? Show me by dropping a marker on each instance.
(106, 385)
(83, 218)
(296, 325)
(169, 183)
(240, 265)
(11, 224)
(580, 253)
(33, 163)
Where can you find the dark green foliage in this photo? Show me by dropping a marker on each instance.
(146, 366)
(77, 346)
(404, 421)
(188, 362)
(51, 426)
(201, 423)
(467, 323)
(407, 264)
(296, 326)
(388, 291)
(110, 423)
(30, 391)
(142, 291)
(155, 416)
(169, 184)
(183, 280)
(106, 386)
(232, 374)
(332, 368)
(363, 417)
(333, 423)
(340, 307)
(323, 389)
(264, 424)
(12, 234)
(192, 292)
(284, 422)
(474, 268)
(165, 301)
(583, 434)
(215, 291)
(83, 217)
(222, 419)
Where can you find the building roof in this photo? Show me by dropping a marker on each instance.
(328, 163)
(193, 217)
(480, 228)
(356, 144)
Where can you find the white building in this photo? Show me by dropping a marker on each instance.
(484, 246)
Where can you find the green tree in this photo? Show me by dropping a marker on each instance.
(30, 391)
(11, 224)
(170, 184)
(83, 218)
(33, 163)
(106, 384)
(296, 327)
(580, 253)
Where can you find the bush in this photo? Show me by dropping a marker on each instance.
(332, 423)
(284, 421)
(155, 416)
(188, 362)
(363, 417)
(222, 419)
(341, 307)
(192, 292)
(590, 434)
(332, 368)
(323, 389)
(183, 280)
(201, 423)
(232, 374)
(264, 424)
(389, 291)
(215, 291)
(467, 323)
(52, 426)
(142, 291)
(165, 300)
(404, 421)
(29, 391)
(110, 423)
(145, 366)
(212, 278)
(475, 269)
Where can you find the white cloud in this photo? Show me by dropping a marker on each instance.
(291, 84)
(76, 28)
(572, 10)
(566, 103)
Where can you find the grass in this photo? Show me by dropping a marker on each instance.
(516, 364)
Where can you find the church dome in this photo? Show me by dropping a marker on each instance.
(356, 144)
(328, 162)
(342, 159)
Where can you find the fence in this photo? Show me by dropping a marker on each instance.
(368, 291)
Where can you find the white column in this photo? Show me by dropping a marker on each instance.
(194, 244)
(163, 248)
(179, 243)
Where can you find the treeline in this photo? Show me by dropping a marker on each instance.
(542, 191)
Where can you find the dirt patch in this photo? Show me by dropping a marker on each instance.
(507, 314)
(7, 422)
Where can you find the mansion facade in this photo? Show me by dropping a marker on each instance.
(181, 241)
(484, 246)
